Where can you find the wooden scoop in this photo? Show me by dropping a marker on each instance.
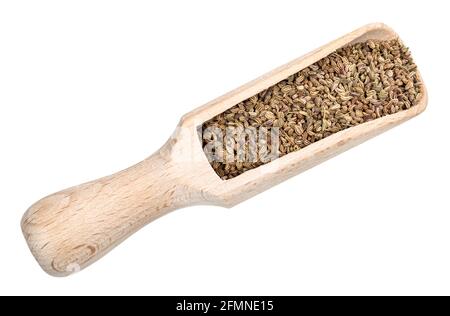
(71, 229)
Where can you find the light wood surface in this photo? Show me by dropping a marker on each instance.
(71, 229)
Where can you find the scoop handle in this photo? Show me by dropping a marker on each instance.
(71, 229)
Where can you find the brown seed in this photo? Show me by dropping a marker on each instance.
(269, 115)
(298, 129)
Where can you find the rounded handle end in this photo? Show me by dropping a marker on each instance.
(54, 245)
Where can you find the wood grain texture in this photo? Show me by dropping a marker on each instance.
(71, 229)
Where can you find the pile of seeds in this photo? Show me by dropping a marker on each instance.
(353, 85)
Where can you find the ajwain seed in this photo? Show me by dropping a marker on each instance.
(353, 85)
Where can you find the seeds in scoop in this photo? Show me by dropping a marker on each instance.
(352, 85)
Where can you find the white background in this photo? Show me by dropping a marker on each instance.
(88, 88)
